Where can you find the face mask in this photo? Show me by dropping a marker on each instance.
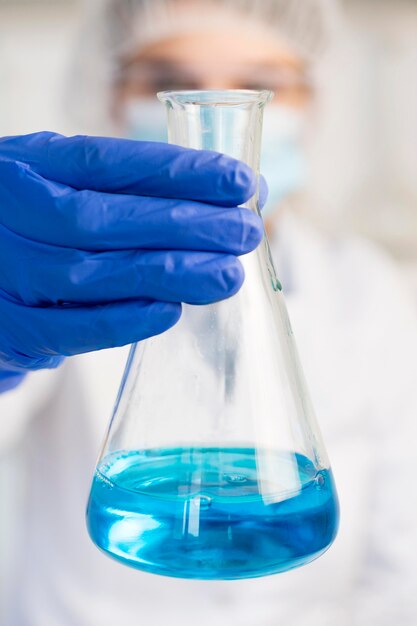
(282, 161)
(145, 119)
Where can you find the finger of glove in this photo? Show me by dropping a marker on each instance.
(32, 336)
(53, 213)
(263, 192)
(38, 274)
(134, 167)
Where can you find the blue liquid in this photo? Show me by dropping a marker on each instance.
(204, 513)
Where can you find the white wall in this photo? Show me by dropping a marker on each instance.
(35, 48)
(368, 167)
(394, 146)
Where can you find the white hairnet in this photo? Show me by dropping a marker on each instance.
(301, 23)
(114, 28)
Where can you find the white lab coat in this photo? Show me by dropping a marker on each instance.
(356, 331)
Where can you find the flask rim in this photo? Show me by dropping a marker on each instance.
(215, 97)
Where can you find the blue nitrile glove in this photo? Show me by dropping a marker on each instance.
(102, 239)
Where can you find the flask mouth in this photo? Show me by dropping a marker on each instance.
(216, 97)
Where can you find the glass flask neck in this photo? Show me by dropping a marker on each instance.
(227, 121)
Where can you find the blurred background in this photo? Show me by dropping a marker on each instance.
(365, 152)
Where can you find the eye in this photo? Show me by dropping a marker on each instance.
(257, 83)
(166, 83)
(251, 85)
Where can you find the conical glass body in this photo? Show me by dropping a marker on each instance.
(213, 466)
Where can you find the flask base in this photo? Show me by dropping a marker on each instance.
(202, 513)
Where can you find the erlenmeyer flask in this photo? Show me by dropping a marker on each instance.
(213, 466)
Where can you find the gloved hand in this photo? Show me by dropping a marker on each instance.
(102, 239)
